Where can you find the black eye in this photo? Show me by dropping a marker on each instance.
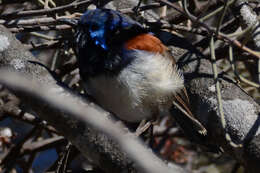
(94, 27)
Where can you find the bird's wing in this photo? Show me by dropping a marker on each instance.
(146, 42)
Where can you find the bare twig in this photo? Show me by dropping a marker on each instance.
(212, 31)
(17, 29)
(17, 113)
(241, 78)
(219, 99)
(72, 6)
(41, 145)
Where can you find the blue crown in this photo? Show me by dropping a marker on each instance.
(104, 23)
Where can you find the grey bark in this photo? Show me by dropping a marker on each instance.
(240, 110)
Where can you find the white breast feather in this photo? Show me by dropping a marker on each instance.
(151, 75)
(149, 80)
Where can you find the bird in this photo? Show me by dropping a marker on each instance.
(129, 71)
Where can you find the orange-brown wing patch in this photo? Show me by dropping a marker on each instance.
(146, 42)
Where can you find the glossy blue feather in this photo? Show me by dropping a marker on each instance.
(101, 22)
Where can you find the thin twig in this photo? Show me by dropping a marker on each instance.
(211, 31)
(241, 78)
(217, 85)
(219, 99)
(43, 36)
(34, 28)
(71, 6)
(226, 4)
(216, 11)
(44, 45)
(42, 145)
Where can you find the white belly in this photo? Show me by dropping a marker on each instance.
(115, 97)
(140, 90)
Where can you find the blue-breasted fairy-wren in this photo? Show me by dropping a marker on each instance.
(128, 70)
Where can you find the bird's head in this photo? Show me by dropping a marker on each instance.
(100, 37)
(105, 40)
(106, 28)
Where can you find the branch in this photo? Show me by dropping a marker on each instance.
(71, 6)
(210, 30)
(240, 110)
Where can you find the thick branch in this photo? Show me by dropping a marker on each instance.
(240, 110)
